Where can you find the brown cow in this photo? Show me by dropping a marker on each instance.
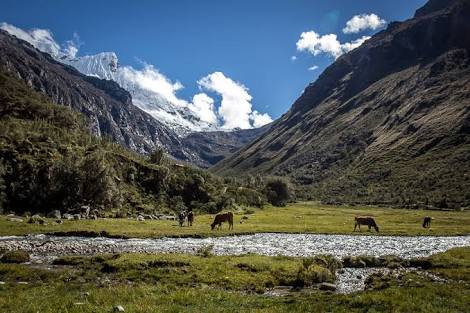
(365, 220)
(190, 218)
(223, 217)
(427, 222)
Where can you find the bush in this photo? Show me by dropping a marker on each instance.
(18, 256)
(278, 192)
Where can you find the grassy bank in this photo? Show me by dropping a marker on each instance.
(183, 283)
(304, 217)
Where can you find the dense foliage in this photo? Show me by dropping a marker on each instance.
(49, 161)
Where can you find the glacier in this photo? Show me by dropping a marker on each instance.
(177, 116)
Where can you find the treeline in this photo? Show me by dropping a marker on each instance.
(49, 161)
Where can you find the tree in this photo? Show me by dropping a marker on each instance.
(278, 192)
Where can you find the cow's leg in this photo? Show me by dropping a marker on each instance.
(355, 226)
(369, 227)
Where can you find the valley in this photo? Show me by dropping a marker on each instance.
(121, 192)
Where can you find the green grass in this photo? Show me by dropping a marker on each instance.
(184, 283)
(303, 217)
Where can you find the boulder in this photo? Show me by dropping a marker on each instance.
(55, 215)
(140, 218)
(85, 210)
(77, 217)
(67, 216)
(36, 219)
(15, 219)
(327, 286)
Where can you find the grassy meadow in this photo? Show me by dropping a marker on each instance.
(206, 283)
(302, 217)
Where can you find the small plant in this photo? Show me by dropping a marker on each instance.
(205, 251)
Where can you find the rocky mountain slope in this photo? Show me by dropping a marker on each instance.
(211, 147)
(388, 122)
(109, 108)
(177, 117)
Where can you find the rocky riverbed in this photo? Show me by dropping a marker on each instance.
(44, 248)
(298, 245)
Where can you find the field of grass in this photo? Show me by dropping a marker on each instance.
(183, 283)
(303, 217)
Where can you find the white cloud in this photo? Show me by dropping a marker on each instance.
(235, 107)
(293, 58)
(149, 78)
(329, 44)
(260, 119)
(316, 44)
(313, 68)
(203, 106)
(39, 38)
(362, 22)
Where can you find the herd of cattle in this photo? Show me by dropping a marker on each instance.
(228, 217)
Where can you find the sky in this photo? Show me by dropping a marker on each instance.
(246, 60)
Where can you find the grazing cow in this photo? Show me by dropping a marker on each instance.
(181, 218)
(365, 220)
(223, 217)
(427, 222)
(190, 218)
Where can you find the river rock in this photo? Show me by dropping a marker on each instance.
(15, 219)
(36, 219)
(85, 210)
(327, 286)
(67, 216)
(55, 214)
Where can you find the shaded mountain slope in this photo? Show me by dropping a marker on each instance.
(210, 147)
(388, 122)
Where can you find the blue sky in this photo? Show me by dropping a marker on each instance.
(250, 41)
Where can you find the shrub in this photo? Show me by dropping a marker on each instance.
(278, 192)
(18, 256)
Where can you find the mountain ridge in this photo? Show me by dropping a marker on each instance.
(363, 130)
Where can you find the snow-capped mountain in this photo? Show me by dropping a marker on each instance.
(175, 115)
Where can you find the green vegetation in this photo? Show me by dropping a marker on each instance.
(18, 256)
(184, 283)
(49, 161)
(303, 217)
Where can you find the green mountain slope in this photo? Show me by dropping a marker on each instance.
(50, 160)
(388, 122)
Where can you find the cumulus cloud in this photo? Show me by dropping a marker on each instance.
(149, 78)
(362, 22)
(203, 106)
(235, 106)
(329, 44)
(313, 68)
(315, 44)
(293, 58)
(260, 119)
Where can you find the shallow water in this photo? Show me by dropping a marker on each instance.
(299, 245)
